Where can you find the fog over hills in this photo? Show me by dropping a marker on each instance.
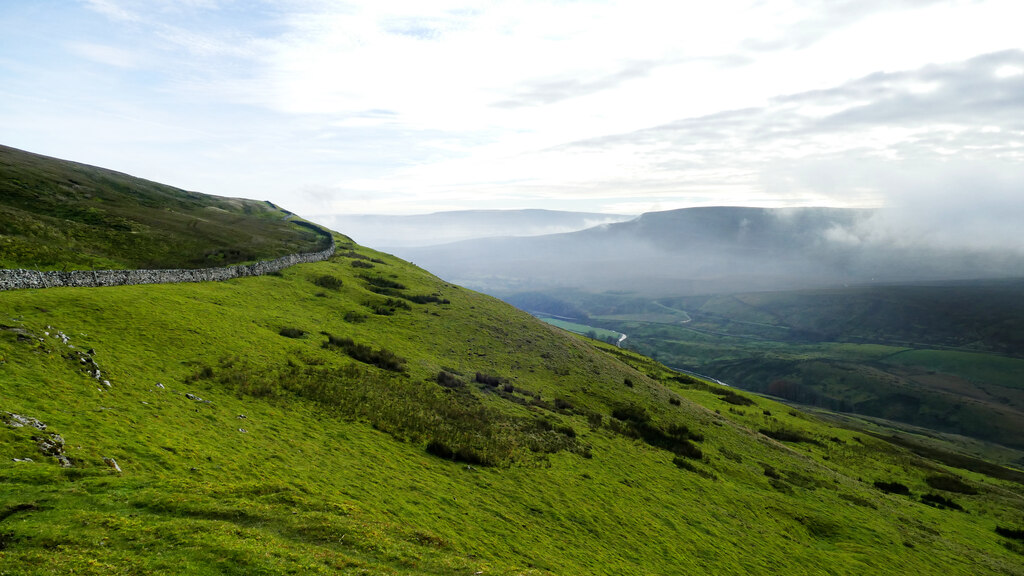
(387, 232)
(714, 249)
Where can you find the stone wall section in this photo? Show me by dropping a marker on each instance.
(17, 279)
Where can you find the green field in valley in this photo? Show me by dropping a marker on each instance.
(583, 329)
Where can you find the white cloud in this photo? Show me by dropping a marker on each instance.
(103, 54)
(617, 106)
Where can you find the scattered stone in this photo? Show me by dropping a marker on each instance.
(18, 421)
(23, 460)
(106, 383)
(242, 430)
(191, 396)
(53, 445)
(159, 385)
(112, 463)
(242, 416)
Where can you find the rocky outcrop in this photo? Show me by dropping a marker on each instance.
(53, 445)
(16, 279)
(18, 421)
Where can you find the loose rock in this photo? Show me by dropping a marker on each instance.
(112, 463)
(53, 445)
(18, 421)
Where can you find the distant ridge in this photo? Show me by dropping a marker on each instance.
(708, 250)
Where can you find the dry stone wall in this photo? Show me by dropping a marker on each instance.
(17, 279)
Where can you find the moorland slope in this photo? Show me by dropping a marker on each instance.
(362, 416)
(61, 215)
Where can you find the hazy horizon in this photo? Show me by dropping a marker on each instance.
(333, 108)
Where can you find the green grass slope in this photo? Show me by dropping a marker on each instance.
(360, 416)
(56, 214)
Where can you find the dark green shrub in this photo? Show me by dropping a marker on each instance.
(630, 413)
(684, 464)
(679, 430)
(382, 282)
(354, 317)
(380, 357)
(440, 449)
(940, 502)
(361, 264)
(354, 255)
(492, 381)
(688, 466)
(388, 307)
(892, 487)
(675, 401)
(292, 332)
(684, 447)
(1010, 533)
(563, 404)
(449, 380)
(427, 299)
(685, 379)
(950, 484)
(730, 396)
(628, 382)
(731, 455)
(786, 435)
(385, 291)
(204, 373)
(464, 455)
(633, 421)
(541, 404)
(329, 282)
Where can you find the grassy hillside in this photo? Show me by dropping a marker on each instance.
(56, 214)
(361, 416)
(253, 438)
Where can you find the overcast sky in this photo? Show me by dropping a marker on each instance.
(402, 107)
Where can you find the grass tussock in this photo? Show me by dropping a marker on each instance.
(379, 357)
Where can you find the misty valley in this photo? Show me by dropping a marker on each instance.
(803, 305)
